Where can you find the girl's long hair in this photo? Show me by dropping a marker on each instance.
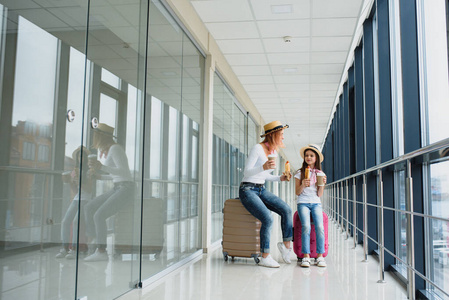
(304, 164)
(271, 140)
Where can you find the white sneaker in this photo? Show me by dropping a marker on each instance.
(97, 256)
(268, 262)
(71, 254)
(305, 263)
(285, 252)
(320, 262)
(62, 253)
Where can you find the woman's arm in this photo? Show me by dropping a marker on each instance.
(250, 167)
(118, 155)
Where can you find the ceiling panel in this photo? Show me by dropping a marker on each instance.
(306, 71)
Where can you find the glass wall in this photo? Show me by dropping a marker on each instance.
(405, 67)
(229, 152)
(99, 161)
(434, 28)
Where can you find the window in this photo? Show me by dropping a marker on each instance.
(43, 153)
(29, 151)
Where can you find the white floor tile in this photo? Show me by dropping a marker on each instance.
(345, 277)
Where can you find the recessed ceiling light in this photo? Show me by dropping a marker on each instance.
(281, 9)
(290, 70)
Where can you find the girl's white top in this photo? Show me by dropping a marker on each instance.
(309, 194)
(254, 171)
(116, 164)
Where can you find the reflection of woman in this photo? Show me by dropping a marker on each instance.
(109, 203)
(72, 211)
(258, 201)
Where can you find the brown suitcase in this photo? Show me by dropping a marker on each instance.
(127, 221)
(241, 231)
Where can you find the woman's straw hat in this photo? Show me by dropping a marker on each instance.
(314, 148)
(273, 127)
(105, 129)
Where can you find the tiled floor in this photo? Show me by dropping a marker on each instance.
(210, 277)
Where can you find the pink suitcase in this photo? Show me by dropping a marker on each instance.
(297, 236)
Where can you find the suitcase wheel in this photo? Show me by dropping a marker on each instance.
(257, 260)
(225, 256)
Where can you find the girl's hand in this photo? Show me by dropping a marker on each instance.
(95, 165)
(284, 177)
(269, 164)
(306, 182)
(325, 180)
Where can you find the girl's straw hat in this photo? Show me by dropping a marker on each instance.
(314, 148)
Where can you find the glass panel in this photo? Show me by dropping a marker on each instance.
(108, 110)
(42, 78)
(434, 54)
(110, 78)
(401, 223)
(175, 78)
(439, 229)
(156, 138)
(112, 216)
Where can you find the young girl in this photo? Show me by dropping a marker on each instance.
(308, 201)
(71, 216)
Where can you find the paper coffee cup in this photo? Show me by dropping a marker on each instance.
(320, 179)
(92, 157)
(66, 176)
(272, 157)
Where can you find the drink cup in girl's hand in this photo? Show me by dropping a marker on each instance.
(320, 179)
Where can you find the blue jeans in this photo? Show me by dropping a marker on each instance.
(260, 202)
(104, 206)
(304, 210)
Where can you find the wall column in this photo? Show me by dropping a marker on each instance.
(206, 137)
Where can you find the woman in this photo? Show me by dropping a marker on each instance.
(108, 204)
(260, 202)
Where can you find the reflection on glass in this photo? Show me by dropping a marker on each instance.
(439, 229)
(108, 110)
(156, 141)
(435, 67)
(401, 223)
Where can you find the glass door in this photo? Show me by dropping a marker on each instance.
(113, 135)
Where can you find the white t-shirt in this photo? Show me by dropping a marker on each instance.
(254, 171)
(309, 194)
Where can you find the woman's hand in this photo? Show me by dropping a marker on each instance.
(284, 177)
(269, 165)
(325, 180)
(306, 182)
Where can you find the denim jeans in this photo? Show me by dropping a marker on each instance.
(304, 210)
(70, 217)
(104, 206)
(260, 202)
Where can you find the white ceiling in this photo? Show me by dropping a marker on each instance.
(296, 82)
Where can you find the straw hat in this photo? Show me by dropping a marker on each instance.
(273, 127)
(78, 150)
(314, 148)
(105, 129)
